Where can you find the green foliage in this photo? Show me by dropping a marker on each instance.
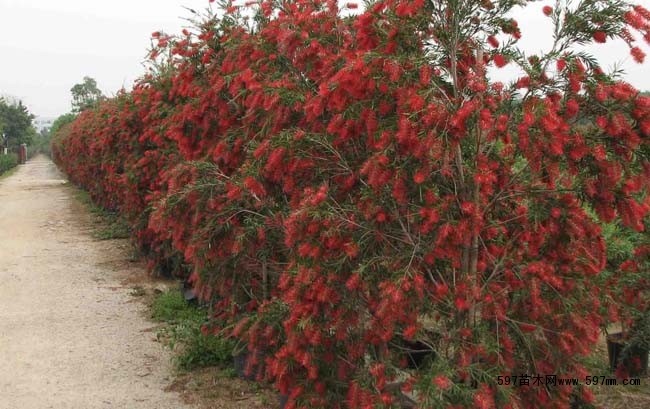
(61, 121)
(116, 229)
(40, 143)
(184, 333)
(171, 307)
(621, 242)
(7, 162)
(85, 95)
(43, 140)
(16, 124)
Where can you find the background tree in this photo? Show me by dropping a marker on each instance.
(44, 138)
(16, 123)
(85, 95)
(61, 121)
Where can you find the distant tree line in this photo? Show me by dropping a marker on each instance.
(15, 124)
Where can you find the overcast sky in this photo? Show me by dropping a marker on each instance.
(46, 46)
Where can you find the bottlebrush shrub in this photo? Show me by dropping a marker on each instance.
(340, 185)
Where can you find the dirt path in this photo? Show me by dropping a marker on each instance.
(71, 335)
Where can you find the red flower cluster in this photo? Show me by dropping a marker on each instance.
(340, 186)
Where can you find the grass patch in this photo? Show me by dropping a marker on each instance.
(116, 229)
(7, 162)
(8, 173)
(183, 334)
(170, 307)
(8, 165)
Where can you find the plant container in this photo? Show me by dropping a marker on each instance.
(636, 361)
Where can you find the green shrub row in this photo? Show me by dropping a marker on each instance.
(7, 162)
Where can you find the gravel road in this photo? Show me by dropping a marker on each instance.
(71, 334)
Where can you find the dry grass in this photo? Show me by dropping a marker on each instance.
(211, 388)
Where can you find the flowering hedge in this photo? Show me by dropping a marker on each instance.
(345, 186)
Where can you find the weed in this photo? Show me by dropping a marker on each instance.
(116, 229)
(170, 307)
(183, 333)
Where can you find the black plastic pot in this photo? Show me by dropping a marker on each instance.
(188, 293)
(416, 353)
(635, 363)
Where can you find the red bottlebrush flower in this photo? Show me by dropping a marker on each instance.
(600, 36)
(419, 177)
(527, 327)
(425, 75)
(492, 40)
(410, 331)
(635, 20)
(638, 55)
(417, 102)
(484, 398)
(561, 64)
(441, 290)
(465, 332)
(461, 304)
(572, 107)
(642, 11)
(500, 61)
(442, 382)
(547, 10)
(352, 6)
(394, 71)
(467, 207)
(254, 186)
(529, 118)
(351, 249)
(523, 82)
(353, 282)
(556, 213)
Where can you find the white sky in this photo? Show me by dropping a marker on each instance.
(46, 46)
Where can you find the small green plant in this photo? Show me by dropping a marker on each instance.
(170, 307)
(184, 333)
(116, 228)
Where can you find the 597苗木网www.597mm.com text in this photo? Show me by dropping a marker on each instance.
(554, 380)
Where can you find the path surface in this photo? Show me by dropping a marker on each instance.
(71, 335)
